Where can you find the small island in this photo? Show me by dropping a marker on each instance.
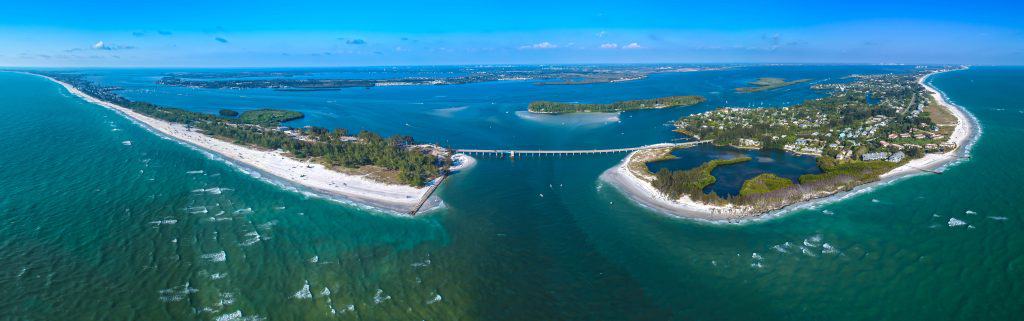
(550, 107)
(769, 83)
(269, 117)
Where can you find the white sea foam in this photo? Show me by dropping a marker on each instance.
(215, 257)
(218, 276)
(782, 248)
(237, 316)
(425, 263)
(314, 259)
(177, 293)
(304, 292)
(212, 190)
(126, 143)
(970, 212)
(435, 299)
(954, 222)
(194, 172)
(246, 210)
(252, 238)
(998, 218)
(164, 222)
(807, 251)
(197, 210)
(756, 256)
(828, 249)
(349, 308)
(226, 298)
(325, 292)
(267, 225)
(827, 212)
(380, 297)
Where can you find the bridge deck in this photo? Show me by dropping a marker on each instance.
(573, 152)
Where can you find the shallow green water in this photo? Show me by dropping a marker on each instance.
(86, 232)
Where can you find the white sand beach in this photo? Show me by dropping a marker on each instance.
(641, 191)
(312, 176)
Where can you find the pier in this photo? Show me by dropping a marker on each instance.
(512, 153)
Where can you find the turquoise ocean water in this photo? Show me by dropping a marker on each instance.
(101, 219)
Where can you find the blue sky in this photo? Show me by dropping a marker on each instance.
(334, 33)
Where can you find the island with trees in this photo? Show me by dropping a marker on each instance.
(390, 160)
(873, 126)
(550, 107)
(769, 83)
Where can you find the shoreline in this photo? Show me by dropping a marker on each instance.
(640, 191)
(281, 169)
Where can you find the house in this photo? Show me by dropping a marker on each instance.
(874, 156)
(896, 157)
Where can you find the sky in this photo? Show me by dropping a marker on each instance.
(259, 33)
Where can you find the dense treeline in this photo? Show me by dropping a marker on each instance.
(330, 147)
(691, 181)
(269, 117)
(663, 102)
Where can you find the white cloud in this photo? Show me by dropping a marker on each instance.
(609, 46)
(100, 45)
(632, 45)
(542, 45)
(601, 34)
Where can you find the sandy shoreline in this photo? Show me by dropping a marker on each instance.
(315, 177)
(642, 192)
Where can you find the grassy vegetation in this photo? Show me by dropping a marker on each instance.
(860, 171)
(691, 181)
(228, 113)
(269, 117)
(768, 83)
(940, 115)
(551, 107)
(764, 183)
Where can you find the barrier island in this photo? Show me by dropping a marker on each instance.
(392, 173)
(550, 107)
(769, 83)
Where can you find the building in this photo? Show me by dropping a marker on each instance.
(896, 157)
(874, 156)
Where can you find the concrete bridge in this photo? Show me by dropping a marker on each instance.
(528, 152)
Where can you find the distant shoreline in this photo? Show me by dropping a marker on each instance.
(642, 192)
(312, 176)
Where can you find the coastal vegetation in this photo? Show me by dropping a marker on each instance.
(769, 83)
(228, 113)
(691, 181)
(550, 107)
(764, 183)
(402, 162)
(269, 117)
(860, 131)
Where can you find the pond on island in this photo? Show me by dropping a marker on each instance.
(730, 178)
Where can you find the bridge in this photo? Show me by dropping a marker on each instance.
(536, 152)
